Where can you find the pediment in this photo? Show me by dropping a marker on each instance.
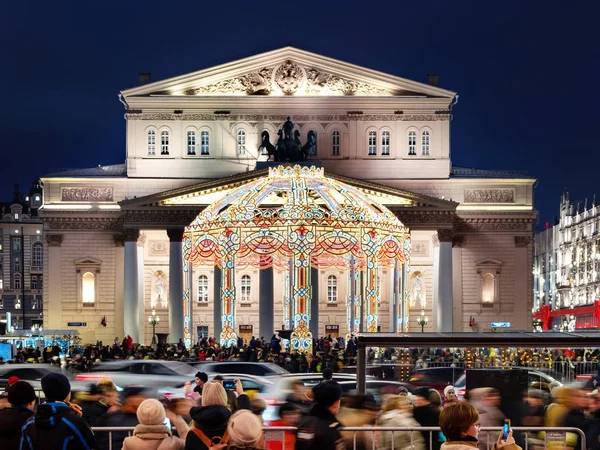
(288, 72)
(87, 261)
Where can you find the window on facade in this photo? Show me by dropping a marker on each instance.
(385, 143)
(204, 142)
(1, 303)
(88, 288)
(17, 244)
(35, 282)
(17, 305)
(246, 287)
(335, 143)
(164, 143)
(332, 288)
(191, 142)
(241, 142)
(37, 254)
(202, 288)
(425, 143)
(34, 303)
(412, 143)
(17, 281)
(151, 142)
(372, 143)
(17, 265)
(1, 283)
(488, 288)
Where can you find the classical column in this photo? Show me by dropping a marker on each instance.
(53, 285)
(175, 283)
(522, 287)
(394, 312)
(457, 295)
(119, 285)
(445, 302)
(141, 304)
(130, 285)
(314, 303)
(216, 331)
(265, 303)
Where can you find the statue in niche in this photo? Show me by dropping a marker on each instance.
(266, 145)
(160, 285)
(417, 294)
(310, 148)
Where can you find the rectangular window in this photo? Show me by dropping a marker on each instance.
(204, 142)
(17, 265)
(151, 142)
(1, 303)
(34, 282)
(412, 143)
(246, 287)
(335, 143)
(17, 305)
(202, 288)
(191, 142)
(164, 143)
(17, 244)
(385, 143)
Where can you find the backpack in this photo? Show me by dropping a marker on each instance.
(221, 442)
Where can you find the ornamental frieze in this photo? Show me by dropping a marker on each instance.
(83, 223)
(299, 118)
(489, 196)
(87, 194)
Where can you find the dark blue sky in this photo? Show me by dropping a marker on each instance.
(526, 72)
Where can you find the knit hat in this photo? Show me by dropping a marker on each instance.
(213, 394)
(12, 380)
(448, 388)
(244, 428)
(202, 376)
(422, 392)
(327, 374)
(151, 412)
(20, 393)
(56, 387)
(327, 393)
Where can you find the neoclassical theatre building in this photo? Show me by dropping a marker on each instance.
(374, 229)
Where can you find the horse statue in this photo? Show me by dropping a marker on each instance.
(266, 145)
(310, 148)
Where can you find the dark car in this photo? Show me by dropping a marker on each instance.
(436, 377)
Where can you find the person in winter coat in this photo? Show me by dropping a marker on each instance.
(320, 429)
(459, 422)
(244, 429)
(151, 433)
(358, 411)
(397, 412)
(487, 401)
(21, 398)
(212, 417)
(55, 425)
(427, 415)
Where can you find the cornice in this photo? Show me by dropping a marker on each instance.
(444, 116)
(83, 223)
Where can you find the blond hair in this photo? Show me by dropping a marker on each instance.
(213, 394)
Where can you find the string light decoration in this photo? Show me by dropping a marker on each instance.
(295, 214)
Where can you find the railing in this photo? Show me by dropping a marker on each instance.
(275, 437)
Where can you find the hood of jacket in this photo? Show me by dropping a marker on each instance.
(213, 416)
(50, 414)
(12, 419)
(459, 445)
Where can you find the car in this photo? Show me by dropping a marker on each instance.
(378, 388)
(535, 380)
(153, 374)
(251, 384)
(33, 374)
(260, 369)
(436, 377)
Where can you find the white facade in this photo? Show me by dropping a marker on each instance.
(192, 138)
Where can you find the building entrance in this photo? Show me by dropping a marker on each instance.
(333, 330)
(246, 333)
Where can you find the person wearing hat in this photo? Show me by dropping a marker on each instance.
(200, 378)
(21, 398)
(152, 433)
(320, 428)
(427, 416)
(449, 395)
(244, 429)
(210, 420)
(55, 424)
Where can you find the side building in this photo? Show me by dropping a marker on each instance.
(21, 261)
(567, 269)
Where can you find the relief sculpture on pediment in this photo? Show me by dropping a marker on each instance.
(87, 194)
(489, 196)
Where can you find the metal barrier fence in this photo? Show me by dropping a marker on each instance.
(534, 438)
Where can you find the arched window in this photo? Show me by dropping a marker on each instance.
(164, 142)
(488, 288)
(151, 142)
(425, 143)
(202, 288)
(17, 264)
(372, 143)
(332, 289)
(246, 287)
(17, 282)
(385, 143)
(37, 255)
(412, 143)
(241, 142)
(191, 142)
(204, 142)
(88, 292)
(335, 143)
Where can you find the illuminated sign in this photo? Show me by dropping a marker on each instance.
(500, 324)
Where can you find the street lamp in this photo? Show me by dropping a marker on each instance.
(153, 319)
(422, 320)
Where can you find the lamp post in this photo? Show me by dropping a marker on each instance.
(153, 319)
(422, 320)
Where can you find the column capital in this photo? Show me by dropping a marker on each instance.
(54, 240)
(458, 241)
(175, 234)
(131, 234)
(141, 241)
(522, 241)
(119, 239)
(445, 234)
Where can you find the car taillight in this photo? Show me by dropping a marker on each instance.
(461, 392)
(90, 377)
(270, 401)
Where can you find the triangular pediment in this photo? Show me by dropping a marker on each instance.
(288, 71)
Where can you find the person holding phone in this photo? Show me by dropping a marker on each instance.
(460, 425)
(230, 388)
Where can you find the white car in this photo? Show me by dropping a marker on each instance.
(33, 374)
(251, 384)
(260, 369)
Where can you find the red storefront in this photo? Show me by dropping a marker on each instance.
(586, 317)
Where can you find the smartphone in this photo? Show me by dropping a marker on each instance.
(506, 429)
(229, 384)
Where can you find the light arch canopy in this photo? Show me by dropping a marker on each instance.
(295, 213)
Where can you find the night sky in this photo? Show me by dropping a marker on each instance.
(526, 71)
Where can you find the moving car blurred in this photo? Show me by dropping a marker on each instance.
(33, 374)
(260, 369)
(252, 385)
(436, 377)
